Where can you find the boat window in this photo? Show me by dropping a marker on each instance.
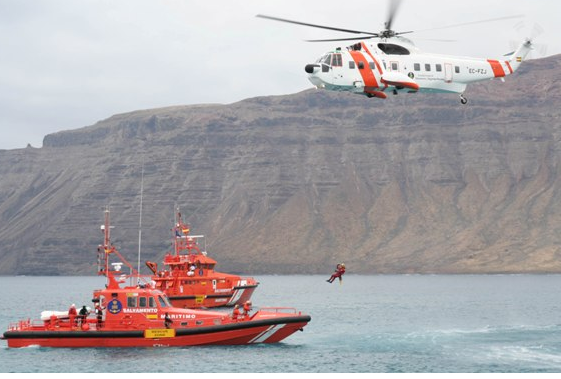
(427, 66)
(152, 302)
(438, 67)
(142, 302)
(131, 301)
(163, 302)
(390, 48)
(372, 65)
(337, 60)
(351, 64)
(394, 66)
(457, 69)
(417, 67)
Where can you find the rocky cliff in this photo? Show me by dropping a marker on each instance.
(297, 183)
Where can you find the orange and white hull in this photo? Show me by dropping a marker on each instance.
(266, 330)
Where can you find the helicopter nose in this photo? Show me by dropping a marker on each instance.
(311, 68)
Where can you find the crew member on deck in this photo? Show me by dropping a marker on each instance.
(99, 313)
(338, 273)
(83, 314)
(247, 308)
(167, 321)
(236, 312)
(72, 314)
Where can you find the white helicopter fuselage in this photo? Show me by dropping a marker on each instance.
(396, 66)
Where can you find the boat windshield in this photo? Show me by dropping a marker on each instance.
(164, 302)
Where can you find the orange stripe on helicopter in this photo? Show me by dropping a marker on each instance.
(367, 75)
(378, 94)
(410, 85)
(498, 70)
(509, 68)
(371, 56)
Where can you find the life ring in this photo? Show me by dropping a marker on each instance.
(126, 320)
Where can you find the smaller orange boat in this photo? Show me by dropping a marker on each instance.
(188, 277)
(139, 315)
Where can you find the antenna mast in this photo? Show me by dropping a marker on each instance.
(140, 219)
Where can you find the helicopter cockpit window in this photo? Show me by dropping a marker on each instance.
(337, 60)
(390, 48)
(325, 62)
(326, 59)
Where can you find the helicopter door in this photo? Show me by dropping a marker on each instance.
(337, 67)
(448, 72)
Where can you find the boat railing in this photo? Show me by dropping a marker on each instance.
(287, 310)
(23, 324)
(59, 323)
(134, 279)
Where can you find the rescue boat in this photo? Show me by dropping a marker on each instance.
(188, 277)
(132, 313)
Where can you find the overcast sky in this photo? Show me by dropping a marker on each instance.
(65, 64)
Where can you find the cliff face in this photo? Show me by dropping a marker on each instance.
(298, 183)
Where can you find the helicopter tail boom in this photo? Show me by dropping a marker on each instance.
(520, 54)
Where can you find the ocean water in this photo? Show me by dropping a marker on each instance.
(380, 323)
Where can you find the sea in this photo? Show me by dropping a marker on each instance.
(365, 324)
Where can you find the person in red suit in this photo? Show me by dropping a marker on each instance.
(338, 273)
(72, 313)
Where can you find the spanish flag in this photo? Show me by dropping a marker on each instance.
(518, 59)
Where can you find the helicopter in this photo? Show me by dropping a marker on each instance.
(393, 64)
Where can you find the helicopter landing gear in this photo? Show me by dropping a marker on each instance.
(463, 99)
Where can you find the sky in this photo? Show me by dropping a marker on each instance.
(66, 64)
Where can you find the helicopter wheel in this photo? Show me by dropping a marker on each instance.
(463, 100)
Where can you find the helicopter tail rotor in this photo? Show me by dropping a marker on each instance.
(537, 50)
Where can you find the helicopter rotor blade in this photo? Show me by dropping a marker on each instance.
(394, 6)
(315, 25)
(471, 23)
(341, 39)
(436, 40)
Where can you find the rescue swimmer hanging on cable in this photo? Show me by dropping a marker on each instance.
(339, 271)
